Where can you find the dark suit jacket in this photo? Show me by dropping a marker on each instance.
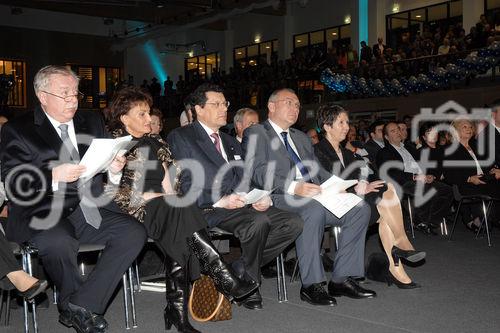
(268, 161)
(192, 142)
(389, 153)
(376, 50)
(331, 162)
(32, 140)
(458, 175)
(372, 148)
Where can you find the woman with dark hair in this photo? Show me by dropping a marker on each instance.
(147, 192)
(431, 153)
(385, 204)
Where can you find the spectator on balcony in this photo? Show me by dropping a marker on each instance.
(445, 47)
(366, 53)
(379, 48)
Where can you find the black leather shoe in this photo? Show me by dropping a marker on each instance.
(316, 295)
(82, 320)
(409, 255)
(349, 288)
(37, 288)
(252, 302)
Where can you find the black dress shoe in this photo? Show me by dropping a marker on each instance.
(252, 302)
(37, 288)
(349, 288)
(316, 295)
(82, 320)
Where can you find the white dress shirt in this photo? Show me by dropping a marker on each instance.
(210, 132)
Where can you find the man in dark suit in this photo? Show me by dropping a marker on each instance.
(432, 198)
(487, 143)
(53, 211)
(282, 158)
(379, 48)
(376, 141)
(263, 230)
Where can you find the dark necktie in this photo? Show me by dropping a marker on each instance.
(295, 158)
(89, 208)
(216, 138)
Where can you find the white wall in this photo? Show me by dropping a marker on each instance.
(54, 21)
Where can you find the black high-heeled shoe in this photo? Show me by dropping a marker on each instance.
(391, 279)
(408, 255)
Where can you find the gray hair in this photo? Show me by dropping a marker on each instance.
(238, 117)
(275, 94)
(42, 78)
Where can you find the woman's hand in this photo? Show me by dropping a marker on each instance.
(495, 172)
(364, 187)
(117, 165)
(476, 180)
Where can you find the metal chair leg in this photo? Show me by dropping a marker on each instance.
(125, 300)
(137, 278)
(281, 279)
(336, 232)
(443, 227)
(485, 221)
(7, 310)
(411, 218)
(455, 220)
(25, 258)
(32, 303)
(295, 272)
(132, 296)
(54, 293)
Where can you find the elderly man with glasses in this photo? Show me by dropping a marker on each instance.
(55, 212)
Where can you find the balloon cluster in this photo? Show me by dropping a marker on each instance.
(475, 63)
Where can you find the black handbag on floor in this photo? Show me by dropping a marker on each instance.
(378, 267)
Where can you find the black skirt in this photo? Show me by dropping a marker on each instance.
(170, 225)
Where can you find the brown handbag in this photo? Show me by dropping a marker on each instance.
(206, 303)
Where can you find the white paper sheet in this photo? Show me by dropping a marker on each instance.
(334, 198)
(254, 195)
(101, 153)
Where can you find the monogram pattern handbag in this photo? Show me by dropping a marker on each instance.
(206, 303)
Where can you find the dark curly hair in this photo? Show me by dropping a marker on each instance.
(328, 113)
(122, 102)
(199, 96)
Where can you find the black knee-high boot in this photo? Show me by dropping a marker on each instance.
(225, 280)
(177, 294)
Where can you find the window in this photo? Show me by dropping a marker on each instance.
(333, 37)
(12, 83)
(491, 4)
(255, 54)
(97, 84)
(413, 22)
(201, 66)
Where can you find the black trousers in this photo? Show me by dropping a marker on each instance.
(492, 189)
(8, 262)
(430, 208)
(123, 237)
(170, 225)
(262, 235)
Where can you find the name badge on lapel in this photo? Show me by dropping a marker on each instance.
(237, 157)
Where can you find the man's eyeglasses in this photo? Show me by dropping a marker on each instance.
(219, 104)
(66, 98)
(289, 103)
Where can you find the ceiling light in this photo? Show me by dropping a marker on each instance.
(299, 40)
(268, 47)
(347, 19)
(239, 53)
(395, 7)
(418, 16)
(334, 33)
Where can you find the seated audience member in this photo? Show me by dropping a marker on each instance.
(489, 137)
(405, 136)
(406, 172)
(156, 121)
(383, 200)
(312, 133)
(296, 175)
(52, 139)
(244, 118)
(469, 175)
(430, 152)
(376, 141)
(28, 286)
(186, 116)
(151, 198)
(264, 231)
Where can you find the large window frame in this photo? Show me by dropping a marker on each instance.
(337, 37)
(255, 54)
(13, 83)
(413, 20)
(203, 65)
(97, 83)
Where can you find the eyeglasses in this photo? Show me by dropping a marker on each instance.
(219, 104)
(289, 103)
(66, 98)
